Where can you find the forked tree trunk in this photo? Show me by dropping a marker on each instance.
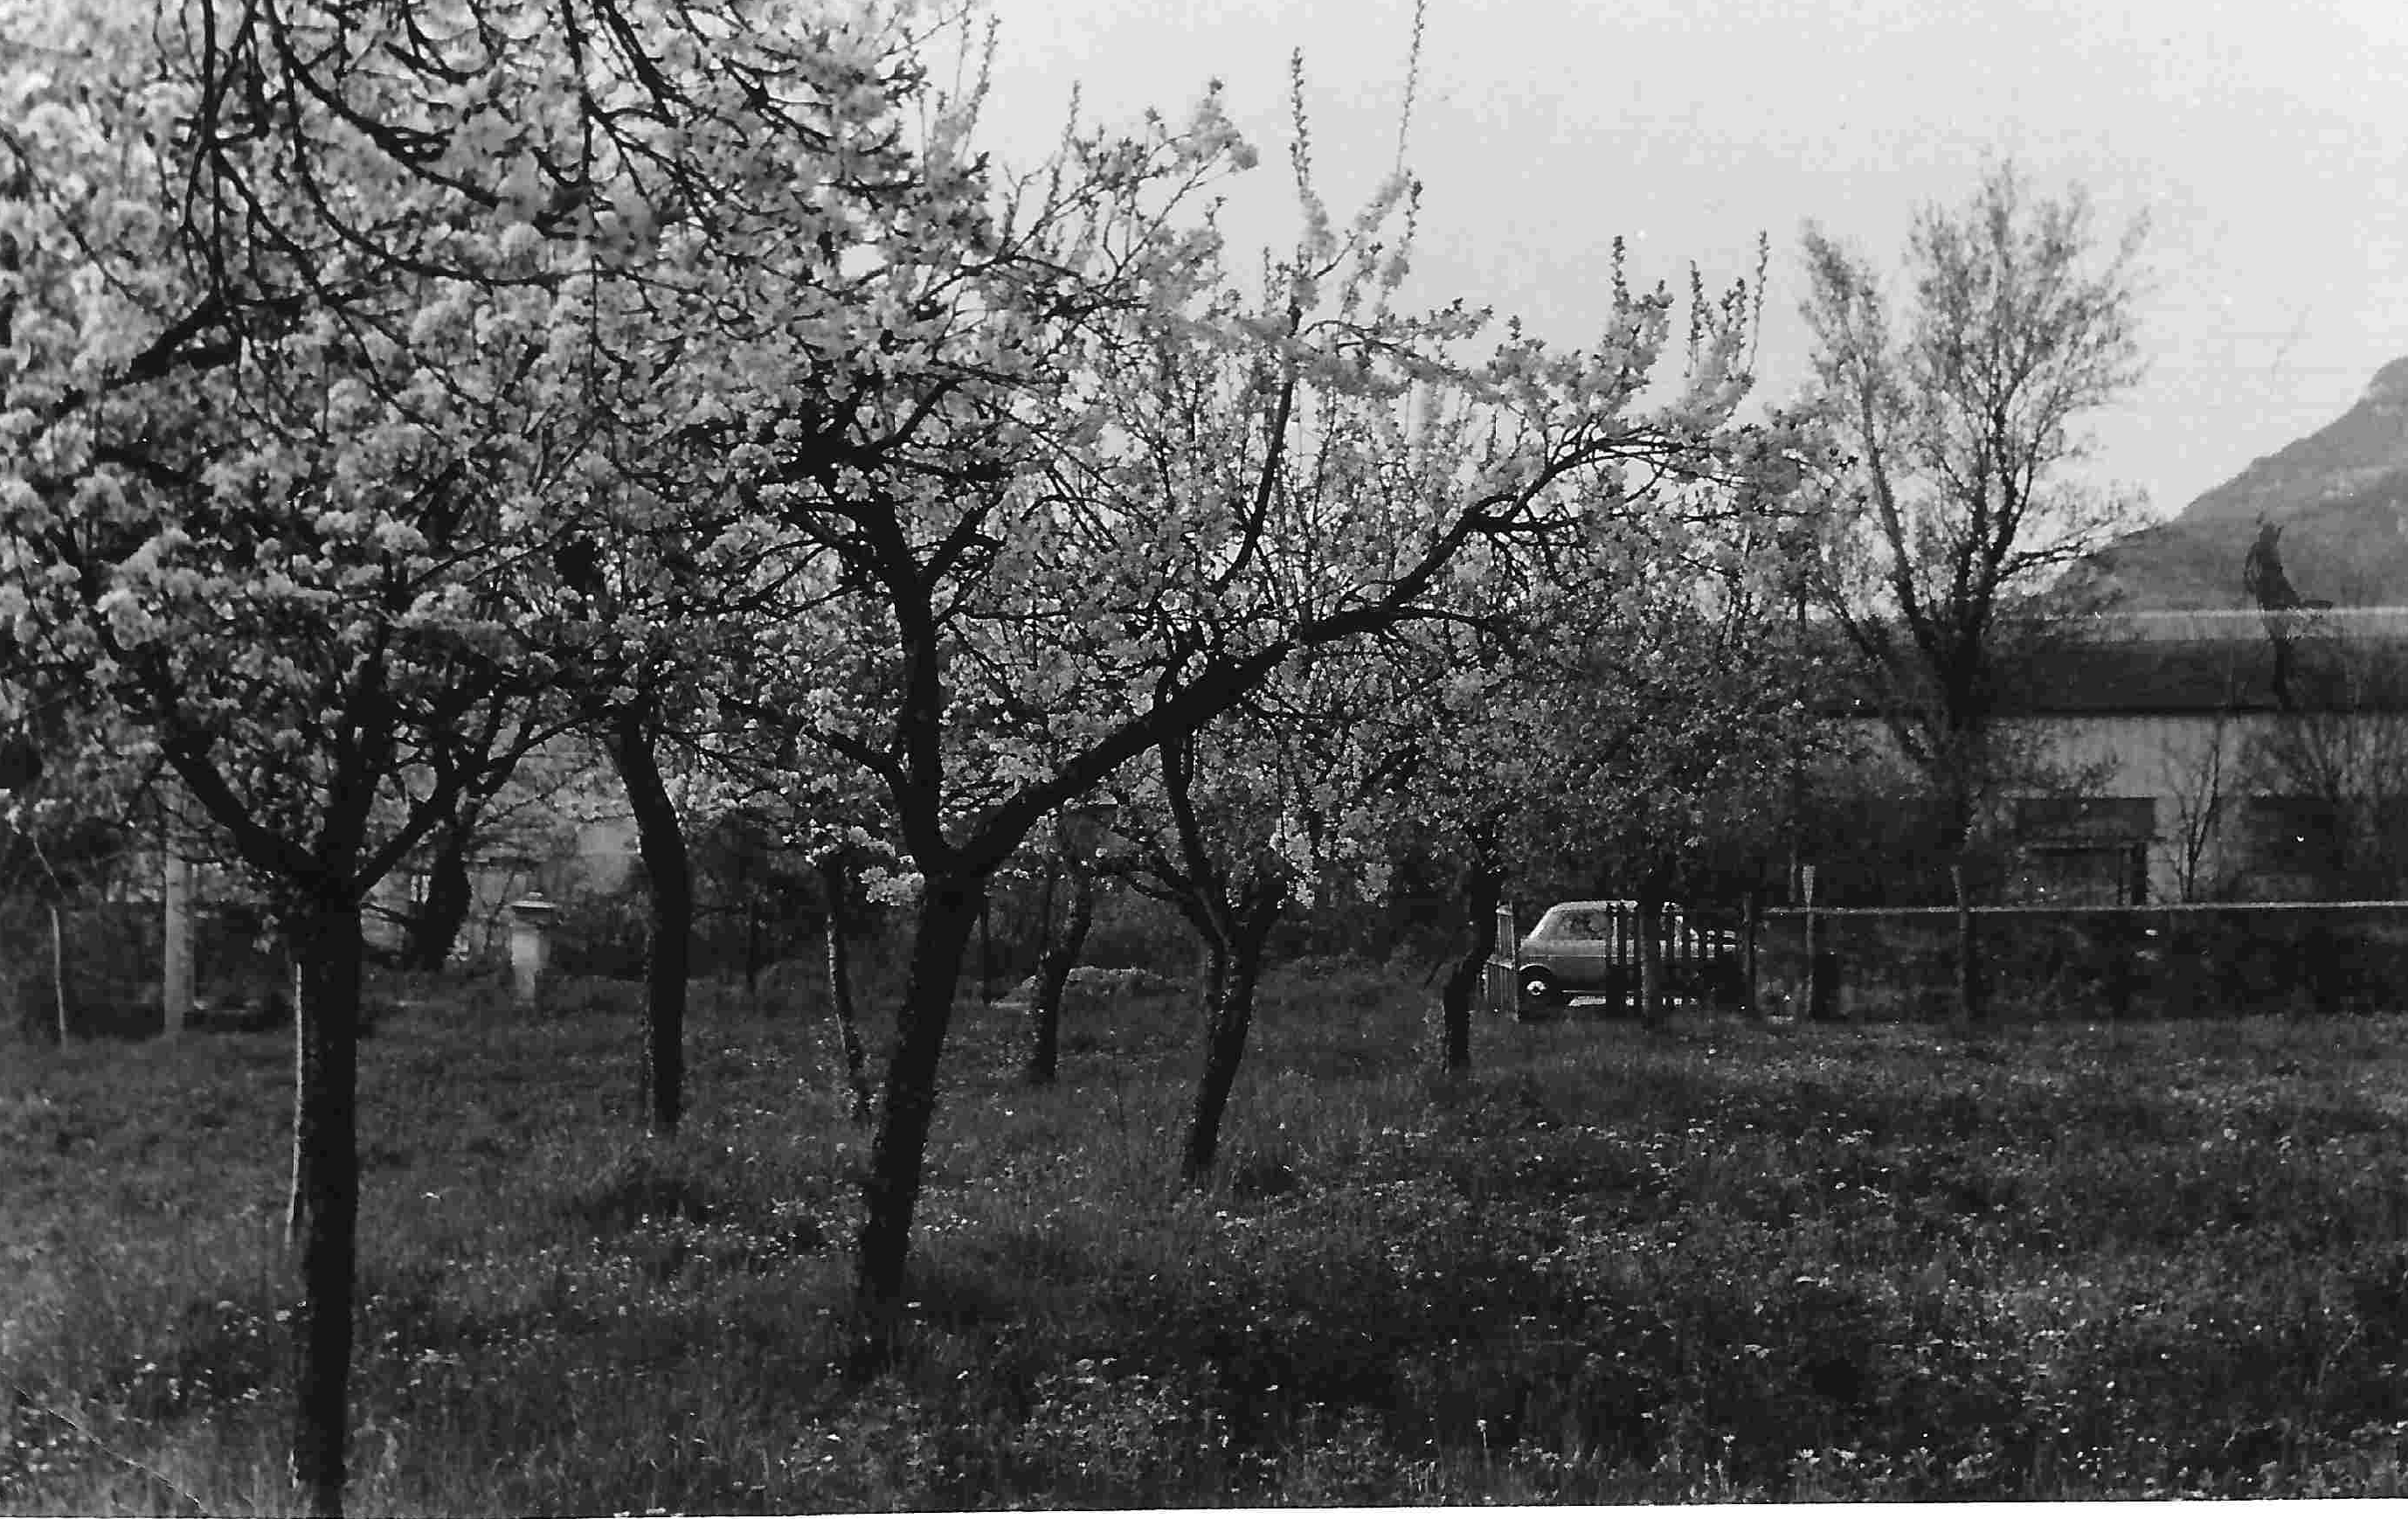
(661, 841)
(436, 926)
(949, 912)
(1054, 968)
(1239, 969)
(834, 883)
(324, 1227)
(1483, 888)
(1651, 962)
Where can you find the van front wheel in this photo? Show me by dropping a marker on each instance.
(1538, 989)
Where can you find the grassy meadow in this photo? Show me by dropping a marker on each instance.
(1729, 1261)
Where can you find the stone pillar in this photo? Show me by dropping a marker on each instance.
(529, 953)
(176, 972)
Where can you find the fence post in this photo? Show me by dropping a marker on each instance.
(1969, 963)
(1490, 1002)
(1681, 934)
(2168, 975)
(1504, 984)
(1818, 996)
(1749, 1004)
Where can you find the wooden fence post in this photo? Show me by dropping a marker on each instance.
(1969, 959)
(1749, 1003)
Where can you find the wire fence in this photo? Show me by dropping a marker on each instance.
(2182, 960)
(97, 969)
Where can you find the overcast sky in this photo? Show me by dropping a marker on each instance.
(2267, 143)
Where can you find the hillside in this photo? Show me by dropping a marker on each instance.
(2340, 494)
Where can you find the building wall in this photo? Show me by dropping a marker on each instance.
(2207, 834)
(2189, 765)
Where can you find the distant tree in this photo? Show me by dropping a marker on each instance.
(1615, 726)
(81, 801)
(1455, 794)
(1072, 864)
(750, 885)
(631, 732)
(1668, 754)
(1951, 512)
(2339, 744)
(2279, 604)
(2202, 785)
(1260, 812)
(1216, 866)
(797, 809)
(644, 605)
(490, 745)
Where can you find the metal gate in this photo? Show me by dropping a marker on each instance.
(1595, 949)
(1497, 991)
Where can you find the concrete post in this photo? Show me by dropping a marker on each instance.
(176, 972)
(529, 952)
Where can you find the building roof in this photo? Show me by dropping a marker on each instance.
(2353, 660)
(2240, 624)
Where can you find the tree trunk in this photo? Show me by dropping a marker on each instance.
(835, 882)
(1484, 888)
(986, 950)
(326, 1223)
(1239, 968)
(661, 840)
(753, 950)
(949, 912)
(436, 925)
(1053, 969)
(1651, 962)
(1960, 784)
(1822, 997)
(1216, 976)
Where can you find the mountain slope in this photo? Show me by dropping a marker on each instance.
(2340, 494)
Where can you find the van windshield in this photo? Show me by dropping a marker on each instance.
(1599, 922)
(1579, 924)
